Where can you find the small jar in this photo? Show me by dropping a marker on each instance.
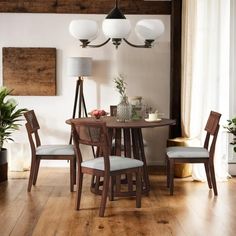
(137, 108)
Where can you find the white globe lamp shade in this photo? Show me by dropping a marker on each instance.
(84, 29)
(149, 29)
(116, 28)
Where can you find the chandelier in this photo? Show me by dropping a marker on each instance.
(117, 28)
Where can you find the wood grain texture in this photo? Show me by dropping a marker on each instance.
(175, 68)
(49, 209)
(85, 7)
(30, 71)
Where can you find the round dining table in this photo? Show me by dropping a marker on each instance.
(126, 139)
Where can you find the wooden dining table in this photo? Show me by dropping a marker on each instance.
(126, 139)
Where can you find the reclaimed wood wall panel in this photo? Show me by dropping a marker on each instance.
(30, 71)
(85, 7)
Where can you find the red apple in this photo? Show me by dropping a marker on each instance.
(98, 113)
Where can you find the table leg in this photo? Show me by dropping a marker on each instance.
(118, 142)
(118, 153)
(143, 158)
(138, 152)
(127, 152)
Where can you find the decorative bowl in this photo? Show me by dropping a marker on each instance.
(97, 113)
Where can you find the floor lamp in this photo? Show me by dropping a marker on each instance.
(79, 67)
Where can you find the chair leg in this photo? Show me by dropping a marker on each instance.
(74, 168)
(79, 190)
(171, 176)
(130, 182)
(72, 174)
(208, 174)
(97, 183)
(37, 164)
(111, 194)
(104, 195)
(31, 176)
(213, 178)
(138, 188)
(167, 172)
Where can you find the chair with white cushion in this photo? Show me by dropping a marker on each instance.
(46, 152)
(203, 154)
(95, 133)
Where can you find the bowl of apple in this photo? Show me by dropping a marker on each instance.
(97, 113)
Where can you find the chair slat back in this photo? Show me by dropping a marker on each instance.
(32, 127)
(212, 128)
(92, 133)
(212, 122)
(32, 120)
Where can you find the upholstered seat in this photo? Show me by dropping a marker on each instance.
(186, 152)
(203, 154)
(116, 163)
(55, 150)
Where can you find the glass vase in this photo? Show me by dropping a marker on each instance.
(123, 110)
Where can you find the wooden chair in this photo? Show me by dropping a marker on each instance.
(203, 154)
(46, 152)
(95, 133)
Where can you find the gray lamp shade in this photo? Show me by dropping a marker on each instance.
(79, 66)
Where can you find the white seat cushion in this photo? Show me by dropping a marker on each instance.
(55, 150)
(185, 152)
(116, 163)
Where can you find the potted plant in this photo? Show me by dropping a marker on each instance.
(231, 128)
(9, 118)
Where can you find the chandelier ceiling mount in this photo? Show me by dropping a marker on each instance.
(117, 28)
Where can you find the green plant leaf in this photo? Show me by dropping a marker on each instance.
(9, 115)
(120, 85)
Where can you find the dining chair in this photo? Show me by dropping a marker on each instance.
(203, 154)
(46, 152)
(95, 133)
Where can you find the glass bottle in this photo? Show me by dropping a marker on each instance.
(137, 108)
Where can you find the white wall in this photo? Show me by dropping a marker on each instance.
(147, 74)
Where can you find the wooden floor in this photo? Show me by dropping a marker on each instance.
(49, 209)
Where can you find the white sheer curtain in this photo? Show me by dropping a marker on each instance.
(205, 66)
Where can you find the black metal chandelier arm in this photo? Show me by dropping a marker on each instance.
(148, 44)
(85, 43)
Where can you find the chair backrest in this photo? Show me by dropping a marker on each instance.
(212, 128)
(32, 127)
(113, 110)
(93, 133)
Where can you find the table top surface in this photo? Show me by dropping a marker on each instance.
(111, 122)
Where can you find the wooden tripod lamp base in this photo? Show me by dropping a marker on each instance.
(79, 67)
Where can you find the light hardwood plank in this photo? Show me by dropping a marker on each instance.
(49, 208)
